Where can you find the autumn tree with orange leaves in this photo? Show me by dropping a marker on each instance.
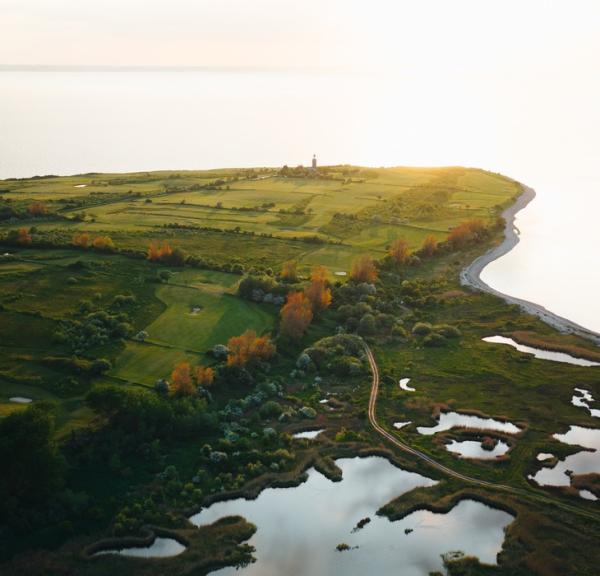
(289, 272)
(429, 247)
(363, 269)
(181, 380)
(81, 239)
(399, 251)
(103, 243)
(37, 209)
(23, 237)
(469, 232)
(318, 291)
(248, 348)
(296, 315)
(204, 376)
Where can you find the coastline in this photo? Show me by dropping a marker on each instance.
(471, 275)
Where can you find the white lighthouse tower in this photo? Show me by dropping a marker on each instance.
(314, 162)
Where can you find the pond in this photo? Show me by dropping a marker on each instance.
(20, 400)
(541, 354)
(449, 420)
(475, 449)
(582, 399)
(404, 385)
(310, 434)
(299, 528)
(584, 462)
(400, 425)
(160, 548)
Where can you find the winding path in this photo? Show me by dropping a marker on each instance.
(530, 494)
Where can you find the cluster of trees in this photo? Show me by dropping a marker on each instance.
(36, 209)
(249, 348)
(85, 241)
(467, 233)
(165, 253)
(364, 269)
(22, 236)
(301, 307)
(32, 468)
(185, 380)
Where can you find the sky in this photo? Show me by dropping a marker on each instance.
(446, 35)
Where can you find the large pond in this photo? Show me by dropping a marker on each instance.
(449, 420)
(541, 354)
(299, 528)
(584, 462)
(160, 548)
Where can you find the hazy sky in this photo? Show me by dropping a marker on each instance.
(441, 35)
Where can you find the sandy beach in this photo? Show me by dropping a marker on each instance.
(471, 275)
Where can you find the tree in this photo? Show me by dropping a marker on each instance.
(37, 209)
(429, 247)
(153, 253)
(204, 376)
(23, 237)
(469, 232)
(363, 269)
(248, 348)
(181, 380)
(399, 251)
(31, 465)
(289, 272)
(103, 243)
(318, 291)
(81, 239)
(296, 315)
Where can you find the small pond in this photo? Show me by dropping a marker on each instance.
(160, 548)
(299, 528)
(541, 354)
(404, 385)
(20, 400)
(400, 425)
(544, 456)
(310, 434)
(475, 449)
(449, 420)
(584, 462)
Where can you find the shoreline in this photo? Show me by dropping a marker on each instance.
(471, 275)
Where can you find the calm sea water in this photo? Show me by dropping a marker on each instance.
(78, 121)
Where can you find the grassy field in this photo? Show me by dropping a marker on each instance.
(259, 219)
(384, 204)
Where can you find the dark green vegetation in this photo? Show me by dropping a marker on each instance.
(88, 330)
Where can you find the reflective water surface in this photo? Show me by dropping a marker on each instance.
(160, 548)
(475, 449)
(541, 354)
(450, 420)
(299, 528)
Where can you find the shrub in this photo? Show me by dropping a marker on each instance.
(422, 329)
(434, 340)
(270, 409)
(448, 331)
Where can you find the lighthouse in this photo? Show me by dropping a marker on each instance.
(314, 162)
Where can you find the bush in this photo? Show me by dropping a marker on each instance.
(422, 329)
(366, 325)
(448, 331)
(307, 412)
(270, 409)
(100, 365)
(434, 340)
